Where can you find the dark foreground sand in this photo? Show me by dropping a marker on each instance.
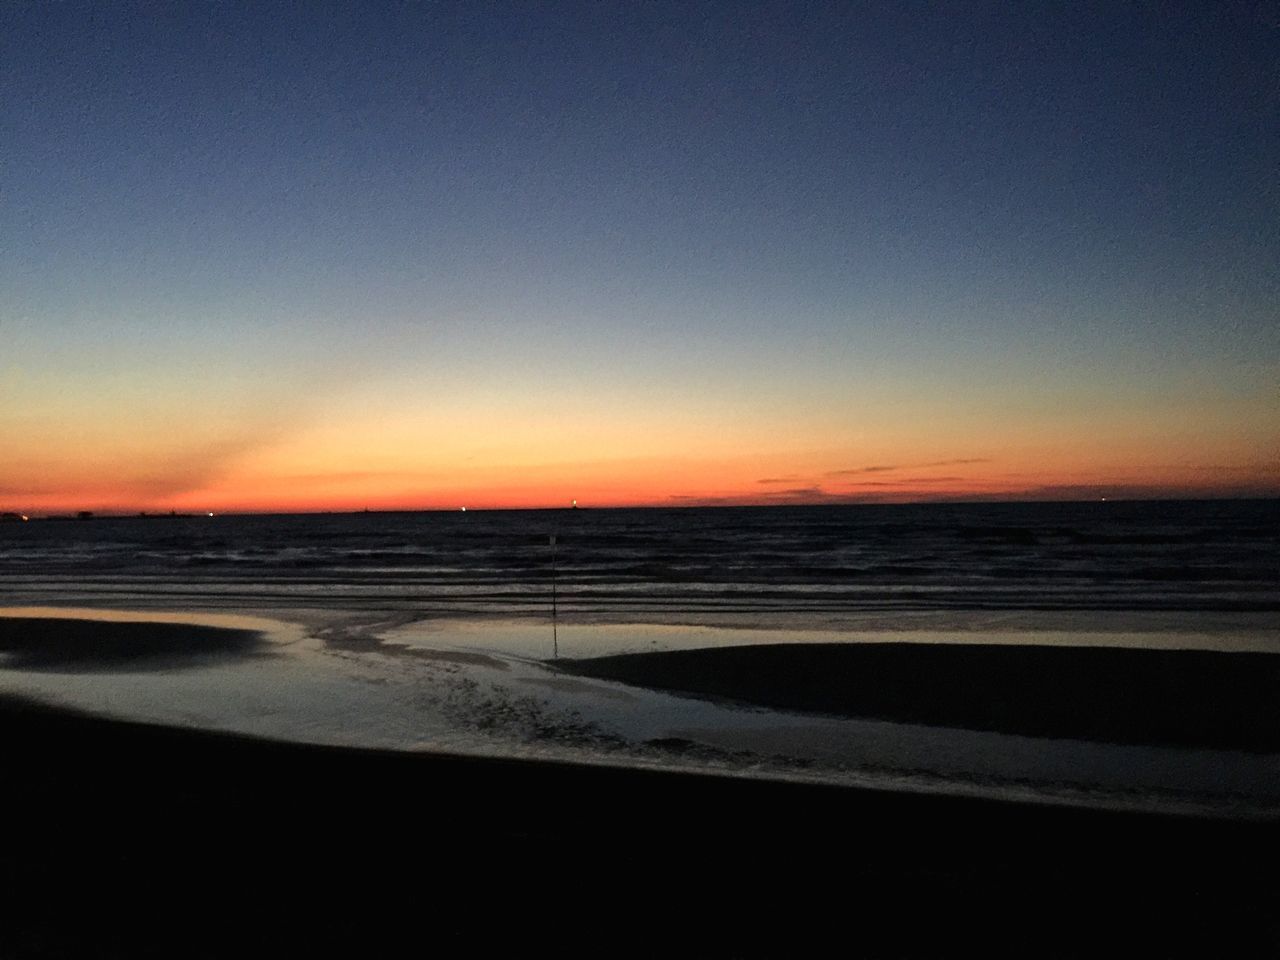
(130, 840)
(1175, 697)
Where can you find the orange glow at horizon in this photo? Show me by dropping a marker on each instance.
(364, 452)
(651, 482)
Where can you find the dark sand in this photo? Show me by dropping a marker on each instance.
(72, 645)
(1172, 697)
(128, 840)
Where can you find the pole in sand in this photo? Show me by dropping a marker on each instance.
(555, 639)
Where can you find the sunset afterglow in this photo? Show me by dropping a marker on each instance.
(411, 272)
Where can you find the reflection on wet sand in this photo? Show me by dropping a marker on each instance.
(361, 643)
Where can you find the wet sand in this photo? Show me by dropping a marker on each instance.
(125, 839)
(73, 644)
(1185, 698)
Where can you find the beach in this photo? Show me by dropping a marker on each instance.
(1188, 731)
(136, 839)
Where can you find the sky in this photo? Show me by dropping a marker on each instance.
(311, 256)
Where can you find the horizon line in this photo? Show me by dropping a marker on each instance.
(710, 504)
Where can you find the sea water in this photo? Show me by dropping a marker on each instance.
(654, 565)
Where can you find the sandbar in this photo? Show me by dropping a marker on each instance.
(74, 644)
(1189, 698)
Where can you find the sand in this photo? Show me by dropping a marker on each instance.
(1185, 698)
(127, 839)
(75, 645)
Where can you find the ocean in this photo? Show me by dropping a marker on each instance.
(654, 564)
(450, 631)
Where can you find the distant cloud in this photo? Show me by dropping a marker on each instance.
(191, 467)
(1126, 491)
(854, 471)
(882, 468)
(797, 493)
(174, 467)
(899, 482)
(1257, 467)
(20, 491)
(690, 500)
(791, 479)
(882, 491)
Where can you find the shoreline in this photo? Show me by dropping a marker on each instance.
(1056, 724)
(1154, 696)
(1184, 629)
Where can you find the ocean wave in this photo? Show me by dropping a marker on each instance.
(1213, 556)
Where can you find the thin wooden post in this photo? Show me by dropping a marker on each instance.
(555, 638)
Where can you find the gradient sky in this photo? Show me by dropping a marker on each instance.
(306, 256)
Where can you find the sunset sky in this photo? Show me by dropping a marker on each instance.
(297, 257)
